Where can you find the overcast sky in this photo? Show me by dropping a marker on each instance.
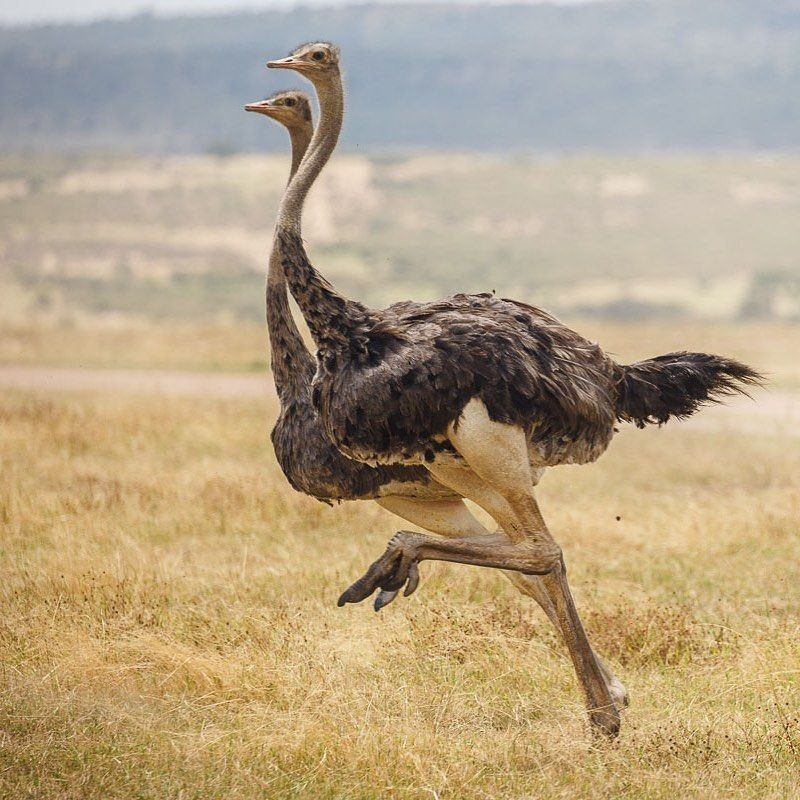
(17, 12)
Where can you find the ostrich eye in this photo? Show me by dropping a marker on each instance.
(318, 55)
(290, 101)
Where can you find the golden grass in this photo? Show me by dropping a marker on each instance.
(148, 345)
(168, 624)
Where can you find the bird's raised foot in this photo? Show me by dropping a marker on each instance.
(396, 568)
(383, 598)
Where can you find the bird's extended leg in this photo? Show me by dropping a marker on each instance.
(452, 519)
(498, 454)
(398, 567)
(534, 586)
(498, 459)
(448, 518)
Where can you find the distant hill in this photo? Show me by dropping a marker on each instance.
(666, 74)
(661, 236)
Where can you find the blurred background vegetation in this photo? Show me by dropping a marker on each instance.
(632, 74)
(629, 160)
(626, 237)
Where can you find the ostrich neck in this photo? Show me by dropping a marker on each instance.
(300, 139)
(331, 109)
(292, 365)
(330, 316)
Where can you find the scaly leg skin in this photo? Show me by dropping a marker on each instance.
(452, 519)
(398, 568)
(533, 586)
(448, 518)
(496, 455)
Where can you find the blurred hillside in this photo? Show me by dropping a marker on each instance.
(186, 238)
(676, 74)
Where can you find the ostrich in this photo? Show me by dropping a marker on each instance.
(310, 461)
(306, 456)
(484, 392)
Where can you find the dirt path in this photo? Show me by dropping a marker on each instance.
(772, 411)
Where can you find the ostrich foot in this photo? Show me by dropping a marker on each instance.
(396, 568)
(384, 598)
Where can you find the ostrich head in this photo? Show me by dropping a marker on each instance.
(291, 108)
(314, 60)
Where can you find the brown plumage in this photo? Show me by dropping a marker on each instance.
(309, 460)
(390, 381)
(677, 384)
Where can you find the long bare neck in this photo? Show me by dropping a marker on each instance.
(300, 139)
(323, 143)
(330, 316)
(292, 365)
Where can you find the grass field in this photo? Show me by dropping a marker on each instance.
(168, 624)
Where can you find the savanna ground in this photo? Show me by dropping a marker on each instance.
(168, 625)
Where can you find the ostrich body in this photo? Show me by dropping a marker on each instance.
(484, 392)
(310, 461)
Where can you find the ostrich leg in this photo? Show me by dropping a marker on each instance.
(452, 519)
(398, 567)
(497, 457)
(534, 586)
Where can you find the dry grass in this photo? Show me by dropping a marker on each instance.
(168, 624)
(144, 345)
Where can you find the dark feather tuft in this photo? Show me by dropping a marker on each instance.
(677, 384)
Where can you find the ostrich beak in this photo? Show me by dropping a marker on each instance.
(284, 63)
(262, 106)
